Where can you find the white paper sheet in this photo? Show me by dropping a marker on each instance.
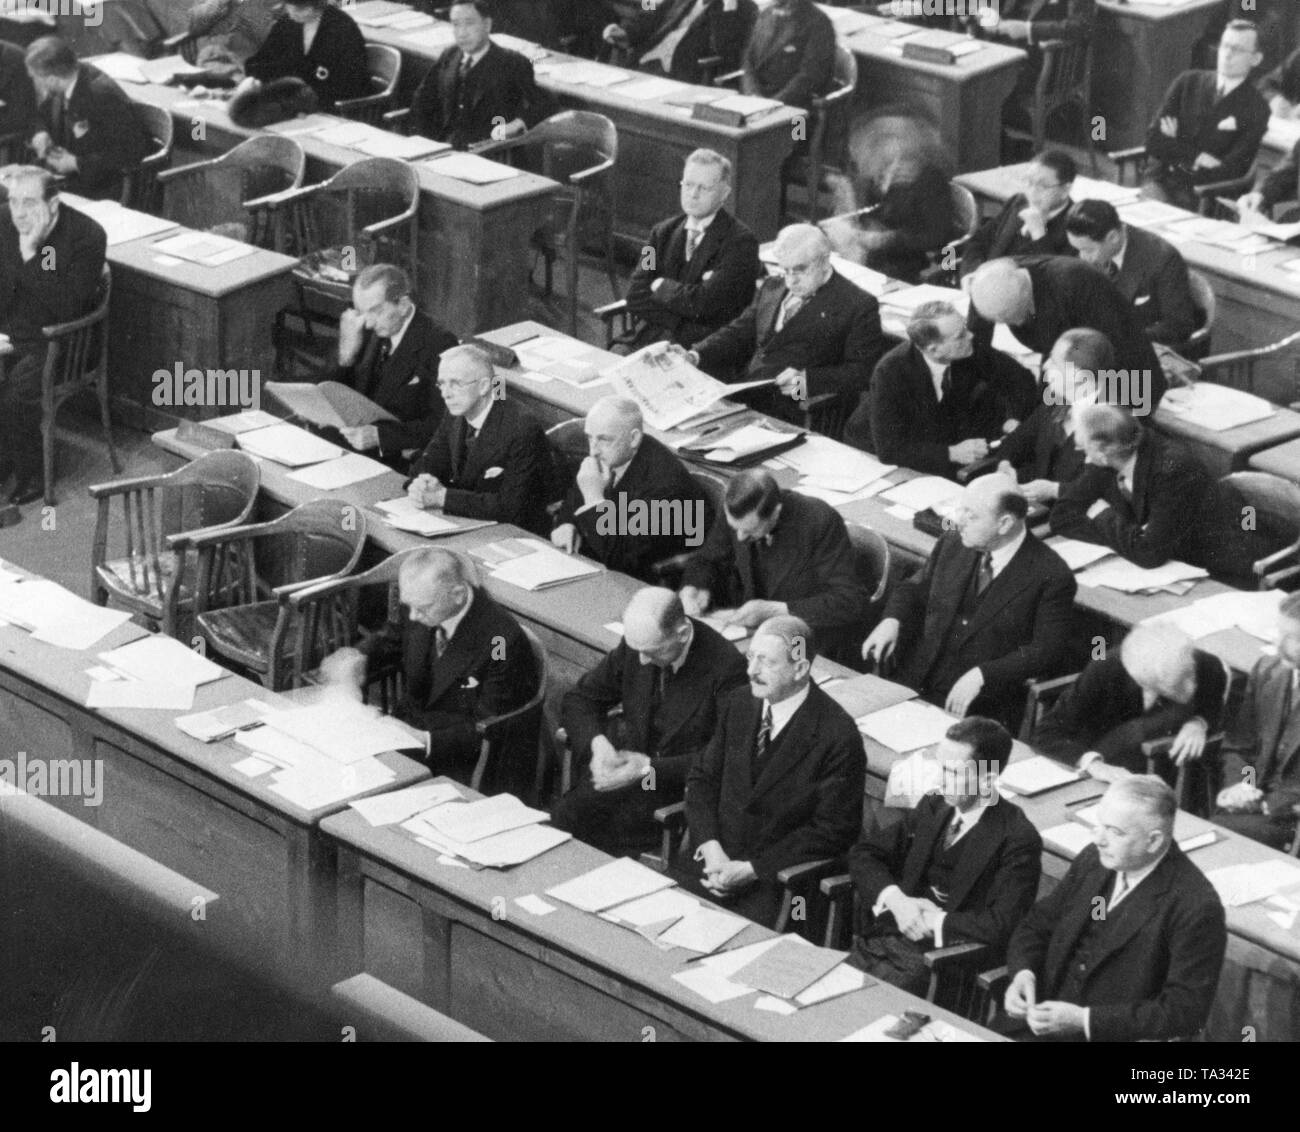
(1077, 553)
(922, 492)
(1238, 885)
(534, 905)
(617, 882)
(1034, 775)
(92, 625)
(389, 809)
(908, 726)
(345, 730)
(472, 821)
(1121, 574)
(1216, 407)
(330, 475)
(703, 930)
(709, 984)
(163, 660)
(543, 569)
(289, 445)
(314, 788)
(670, 904)
(470, 167)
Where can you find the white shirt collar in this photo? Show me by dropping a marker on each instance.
(999, 558)
(782, 712)
(701, 225)
(1137, 876)
(1125, 474)
(937, 370)
(453, 622)
(476, 423)
(473, 59)
(1227, 86)
(396, 339)
(676, 665)
(1118, 261)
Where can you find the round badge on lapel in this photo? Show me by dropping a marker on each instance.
(322, 73)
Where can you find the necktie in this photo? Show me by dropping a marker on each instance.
(789, 308)
(1125, 488)
(56, 119)
(439, 641)
(466, 448)
(764, 737)
(462, 72)
(1112, 270)
(1121, 887)
(385, 348)
(954, 831)
(985, 577)
(945, 383)
(693, 237)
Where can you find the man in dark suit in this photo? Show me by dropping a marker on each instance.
(87, 130)
(319, 44)
(1031, 222)
(1279, 186)
(962, 867)
(781, 781)
(17, 95)
(991, 608)
(791, 53)
(51, 259)
(1281, 86)
(388, 352)
(668, 675)
(1148, 270)
(1158, 686)
(632, 502)
(1041, 297)
(1261, 753)
(810, 329)
(698, 271)
(935, 401)
(775, 552)
(1149, 500)
(1145, 968)
(487, 459)
(674, 36)
(463, 659)
(1211, 123)
(477, 90)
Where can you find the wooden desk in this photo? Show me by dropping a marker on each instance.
(654, 139)
(1257, 298)
(1138, 51)
(1284, 461)
(456, 940)
(473, 239)
(182, 803)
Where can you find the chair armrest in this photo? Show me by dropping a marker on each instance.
(365, 100)
(185, 540)
(990, 981)
(119, 487)
(671, 817)
(1233, 187)
(184, 170)
(809, 872)
(958, 955)
(674, 565)
(173, 43)
(1053, 684)
(62, 329)
(1128, 154)
(610, 311)
(393, 221)
(837, 887)
(586, 174)
(397, 115)
(729, 77)
(211, 535)
(284, 196)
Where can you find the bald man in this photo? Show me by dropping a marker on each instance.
(1041, 297)
(632, 503)
(463, 659)
(808, 327)
(1158, 687)
(666, 675)
(991, 608)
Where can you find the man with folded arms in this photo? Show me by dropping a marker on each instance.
(781, 781)
(667, 675)
(672, 37)
(1129, 945)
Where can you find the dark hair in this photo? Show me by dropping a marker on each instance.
(1013, 503)
(750, 492)
(482, 7)
(395, 281)
(1093, 220)
(988, 740)
(1060, 163)
(50, 55)
(1088, 349)
(1111, 425)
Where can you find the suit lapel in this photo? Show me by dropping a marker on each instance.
(783, 32)
(709, 244)
(397, 369)
(922, 385)
(977, 849)
(928, 827)
(485, 446)
(1074, 918)
(1136, 909)
(1002, 589)
(797, 738)
(458, 658)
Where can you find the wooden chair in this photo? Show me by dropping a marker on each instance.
(569, 447)
(1277, 511)
(246, 574)
(668, 571)
(1238, 368)
(76, 360)
(236, 190)
(1206, 305)
(385, 66)
(829, 114)
(1040, 698)
(13, 146)
(388, 1015)
(1156, 751)
(579, 149)
(140, 186)
(1065, 80)
(872, 561)
(1133, 162)
(945, 262)
(154, 575)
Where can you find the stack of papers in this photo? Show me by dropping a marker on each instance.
(247, 421)
(1151, 213)
(717, 977)
(469, 167)
(923, 492)
(433, 38)
(824, 464)
(222, 722)
(748, 106)
(742, 443)
(203, 248)
(1036, 775)
(121, 225)
(403, 514)
(588, 74)
(289, 445)
(532, 564)
(473, 821)
(1088, 188)
(1216, 407)
(908, 299)
(1121, 574)
(55, 615)
(1255, 613)
(659, 908)
(500, 851)
(936, 1031)
(1077, 553)
(344, 729)
(1246, 884)
(120, 67)
(667, 387)
(617, 882)
(399, 805)
(330, 475)
(157, 672)
(907, 726)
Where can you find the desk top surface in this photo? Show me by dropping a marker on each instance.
(1156, 13)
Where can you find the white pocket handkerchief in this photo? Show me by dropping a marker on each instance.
(1228, 124)
(492, 473)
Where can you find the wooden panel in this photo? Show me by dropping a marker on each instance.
(26, 725)
(393, 937)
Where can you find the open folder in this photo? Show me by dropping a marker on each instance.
(329, 404)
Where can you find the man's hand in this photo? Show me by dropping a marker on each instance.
(41, 144)
(1019, 999)
(1048, 1018)
(565, 536)
(1252, 202)
(615, 36)
(1097, 507)
(61, 161)
(909, 915)
(931, 913)
(1281, 106)
(1013, 29)
(694, 600)
(793, 382)
(344, 670)
(731, 878)
(363, 439)
(1206, 161)
(753, 613)
(692, 356)
(1189, 743)
(426, 492)
(1241, 799)
(1169, 126)
(963, 693)
(629, 769)
(1032, 223)
(593, 480)
(880, 644)
(713, 856)
(507, 130)
(968, 451)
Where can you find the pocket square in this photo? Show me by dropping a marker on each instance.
(790, 48)
(470, 682)
(80, 129)
(1228, 124)
(492, 473)
(1137, 302)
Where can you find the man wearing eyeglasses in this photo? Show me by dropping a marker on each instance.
(1033, 221)
(487, 459)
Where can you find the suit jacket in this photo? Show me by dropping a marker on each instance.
(1000, 236)
(1038, 449)
(804, 803)
(912, 427)
(500, 86)
(687, 307)
(835, 336)
(32, 297)
(715, 33)
(1068, 293)
(1229, 128)
(1155, 978)
(1177, 512)
(992, 887)
(1048, 19)
(809, 566)
(687, 715)
(1104, 712)
(1280, 183)
(914, 216)
(1019, 629)
(790, 56)
(1284, 79)
(486, 670)
(656, 477)
(506, 476)
(1154, 279)
(405, 383)
(335, 67)
(17, 95)
(1266, 737)
(100, 129)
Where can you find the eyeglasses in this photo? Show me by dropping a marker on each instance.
(445, 385)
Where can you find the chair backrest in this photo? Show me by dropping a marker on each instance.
(568, 444)
(1238, 368)
(844, 73)
(871, 559)
(371, 191)
(1040, 696)
(573, 142)
(533, 705)
(385, 66)
(965, 210)
(140, 186)
(1067, 72)
(1204, 302)
(1276, 503)
(78, 353)
(215, 194)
